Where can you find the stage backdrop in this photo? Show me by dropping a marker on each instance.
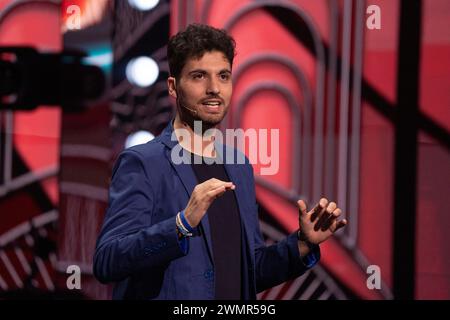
(322, 72)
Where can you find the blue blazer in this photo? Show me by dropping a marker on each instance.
(138, 248)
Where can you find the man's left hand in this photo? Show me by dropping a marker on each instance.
(320, 223)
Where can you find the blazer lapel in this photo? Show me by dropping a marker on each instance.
(189, 181)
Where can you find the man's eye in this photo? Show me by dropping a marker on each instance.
(198, 76)
(224, 76)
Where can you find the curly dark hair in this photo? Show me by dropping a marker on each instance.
(194, 41)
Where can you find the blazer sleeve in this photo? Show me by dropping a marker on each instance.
(129, 240)
(281, 261)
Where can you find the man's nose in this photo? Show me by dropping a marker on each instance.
(213, 87)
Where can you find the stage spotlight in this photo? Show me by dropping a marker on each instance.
(138, 137)
(143, 5)
(142, 71)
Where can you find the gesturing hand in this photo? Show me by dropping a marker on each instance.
(202, 197)
(321, 222)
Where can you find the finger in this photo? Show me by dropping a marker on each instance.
(214, 181)
(340, 224)
(334, 226)
(315, 212)
(210, 184)
(331, 207)
(220, 190)
(330, 220)
(213, 194)
(337, 213)
(302, 207)
(319, 209)
(329, 210)
(323, 221)
(226, 184)
(324, 215)
(230, 186)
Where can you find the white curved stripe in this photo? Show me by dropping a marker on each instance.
(11, 269)
(329, 283)
(273, 292)
(7, 169)
(86, 151)
(26, 179)
(23, 228)
(45, 276)
(295, 286)
(342, 160)
(85, 268)
(53, 259)
(3, 284)
(319, 273)
(29, 240)
(325, 295)
(310, 290)
(23, 261)
(355, 141)
(270, 231)
(46, 218)
(84, 190)
(14, 233)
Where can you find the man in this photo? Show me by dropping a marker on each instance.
(190, 230)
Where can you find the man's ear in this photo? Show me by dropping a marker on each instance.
(172, 85)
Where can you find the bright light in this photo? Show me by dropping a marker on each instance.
(143, 5)
(138, 137)
(142, 71)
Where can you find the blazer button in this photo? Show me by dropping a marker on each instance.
(208, 274)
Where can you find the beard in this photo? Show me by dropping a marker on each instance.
(208, 121)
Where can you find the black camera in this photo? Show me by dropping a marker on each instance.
(29, 78)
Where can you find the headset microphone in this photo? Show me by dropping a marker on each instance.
(192, 110)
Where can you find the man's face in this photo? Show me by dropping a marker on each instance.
(204, 86)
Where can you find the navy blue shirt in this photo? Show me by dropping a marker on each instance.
(225, 224)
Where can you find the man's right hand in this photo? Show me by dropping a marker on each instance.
(202, 197)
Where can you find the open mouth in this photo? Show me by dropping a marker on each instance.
(212, 106)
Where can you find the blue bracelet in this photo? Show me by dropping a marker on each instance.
(181, 228)
(184, 221)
